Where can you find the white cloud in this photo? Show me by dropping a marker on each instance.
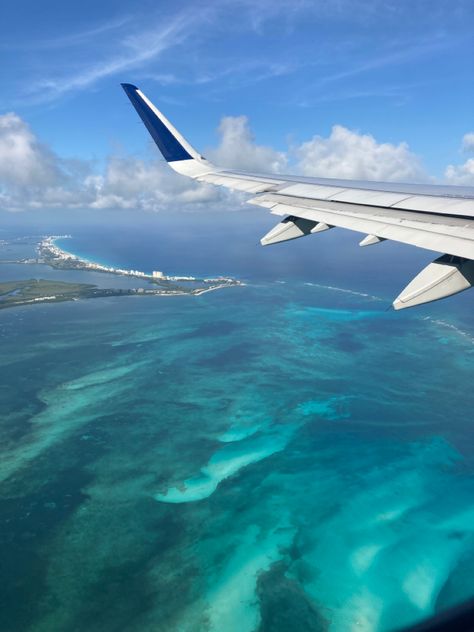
(134, 183)
(237, 149)
(348, 154)
(68, 40)
(133, 51)
(468, 142)
(461, 174)
(33, 176)
(23, 160)
(212, 35)
(343, 154)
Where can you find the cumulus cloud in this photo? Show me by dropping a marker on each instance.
(23, 160)
(238, 150)
(134, 183)
(468, 142)
(348, 154)
(463, 174)
(33, 176)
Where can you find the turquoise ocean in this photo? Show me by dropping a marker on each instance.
(285, 455)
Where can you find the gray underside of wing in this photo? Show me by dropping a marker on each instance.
(427, 216)
(446, 234)
(432, 217)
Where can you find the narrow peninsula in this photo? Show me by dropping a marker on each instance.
(23, 292)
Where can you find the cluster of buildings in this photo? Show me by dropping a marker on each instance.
(50, 251)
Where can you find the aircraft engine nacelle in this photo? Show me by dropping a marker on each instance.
(446, 276)
(292, 228)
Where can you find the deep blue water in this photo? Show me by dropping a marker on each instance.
(287, 455)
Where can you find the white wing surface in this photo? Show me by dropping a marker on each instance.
(438, 218)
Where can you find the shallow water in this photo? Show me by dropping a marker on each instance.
(201, 463)
(274, 457)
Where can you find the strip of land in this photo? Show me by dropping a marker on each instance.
(24, 292)
(51, 254)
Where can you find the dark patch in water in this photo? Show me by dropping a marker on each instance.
(28, 522)
(106, 608)
(215, 328)
(33, 505)
(284, 605)
(126, 593)
(234, 356)
(345, 341)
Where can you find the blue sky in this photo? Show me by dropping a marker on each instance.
(398, 71)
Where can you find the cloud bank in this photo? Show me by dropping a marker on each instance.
(33, 176)
(349, 154)
(238, 150)
(464, 173)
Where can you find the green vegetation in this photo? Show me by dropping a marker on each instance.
(27, 292)
(37, 290)
(32, 288)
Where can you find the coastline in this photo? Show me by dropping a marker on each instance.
(52, 254)
(21, 292)
(75, 255)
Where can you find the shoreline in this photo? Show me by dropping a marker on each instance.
(37, 291)
(74, 255)
(34, 291)
(52, 254)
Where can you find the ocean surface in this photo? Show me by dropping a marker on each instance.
(284, 456)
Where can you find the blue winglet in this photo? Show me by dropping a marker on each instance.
(168, 144)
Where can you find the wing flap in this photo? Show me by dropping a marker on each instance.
(430, 204)
(362, 196)
(390, 199)
(456, 239)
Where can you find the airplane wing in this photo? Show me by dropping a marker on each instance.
(439, 218)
